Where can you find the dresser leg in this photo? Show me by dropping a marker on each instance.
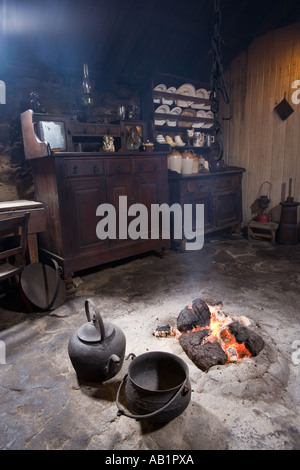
(67, 278)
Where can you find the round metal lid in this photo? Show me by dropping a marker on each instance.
(90, 333)
(39, 284)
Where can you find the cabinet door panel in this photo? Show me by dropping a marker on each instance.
(207, 201)
(148, 193)
(227, 208)
(121, 186)
(86, 196)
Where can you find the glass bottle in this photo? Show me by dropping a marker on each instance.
(87, 99)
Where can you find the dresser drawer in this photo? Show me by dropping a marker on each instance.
(112, 130)
(227, 181)
(118, 166)
(142, 165)
(198, 187)
(84, 167)
(95, 129)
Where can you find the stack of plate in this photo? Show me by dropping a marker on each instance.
(164, 108)
(160, 139)
(201, 93)
(186, 89)
(168, 101)
(206, 115)
(160, 87)
(175, 111)
(209, 115)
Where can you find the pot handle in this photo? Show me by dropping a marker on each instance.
(183, 390)
(97, 315)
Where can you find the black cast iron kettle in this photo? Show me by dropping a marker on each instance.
(97, 348)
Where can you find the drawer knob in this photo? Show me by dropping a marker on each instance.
(75, 170)
(96, 169)
(155, 166)
(120, 169)
(141, 166)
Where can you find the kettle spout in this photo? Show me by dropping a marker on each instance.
(113, 362)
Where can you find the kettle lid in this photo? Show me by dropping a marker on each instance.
(89, 332)
(94, 330)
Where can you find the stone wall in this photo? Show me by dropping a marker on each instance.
(55, 92)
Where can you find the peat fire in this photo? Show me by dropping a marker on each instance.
(209, 337)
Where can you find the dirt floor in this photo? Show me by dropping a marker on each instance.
(252, 404)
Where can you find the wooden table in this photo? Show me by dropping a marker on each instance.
(37, 221)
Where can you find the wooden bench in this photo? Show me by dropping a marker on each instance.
(262, 230)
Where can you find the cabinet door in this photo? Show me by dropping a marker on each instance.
(150, 186)
(199, 192)
(228, 208)
(148, 192)
(121, 186)
(85, 195)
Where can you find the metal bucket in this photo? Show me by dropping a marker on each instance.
(157, 387)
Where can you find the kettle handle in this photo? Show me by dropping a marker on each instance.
(98, 316)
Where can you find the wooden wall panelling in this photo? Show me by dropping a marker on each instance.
(255, 138)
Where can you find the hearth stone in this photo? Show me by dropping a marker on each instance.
(204, 355)
(197, 315)
(253, 342)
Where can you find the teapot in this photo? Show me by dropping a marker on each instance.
(97, 348)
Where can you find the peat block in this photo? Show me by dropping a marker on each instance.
(253, 341)
(204, 355)
(198, 315)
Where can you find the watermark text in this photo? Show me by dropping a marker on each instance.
(296, 94)
(187, 222)
(2, 353)
(2, 92)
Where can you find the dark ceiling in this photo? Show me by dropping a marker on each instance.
(128, 40)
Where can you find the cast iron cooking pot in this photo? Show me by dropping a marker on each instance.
(97, 349)
(157, 387)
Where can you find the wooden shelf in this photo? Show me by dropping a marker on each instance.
(178, 97)
(179, 117)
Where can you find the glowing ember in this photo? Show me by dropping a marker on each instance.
(219, 332)
(209, 337)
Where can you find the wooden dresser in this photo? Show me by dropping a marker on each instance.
(71, 185)
(220, 192)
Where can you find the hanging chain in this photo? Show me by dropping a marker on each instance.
(218, 84)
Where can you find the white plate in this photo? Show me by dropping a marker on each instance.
(176, 111)
(188, 90)
(160, 87)
(200, 114)
(208, 115)
(164, 108)
(201, 93)
(172, 89)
